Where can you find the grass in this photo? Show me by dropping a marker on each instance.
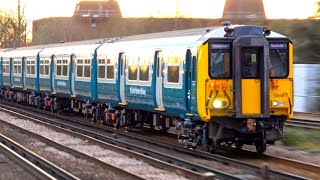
(301, 138)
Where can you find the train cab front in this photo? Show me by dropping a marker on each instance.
(248, 88)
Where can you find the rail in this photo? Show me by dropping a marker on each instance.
(43, 168)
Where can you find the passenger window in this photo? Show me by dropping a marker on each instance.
(110, 69)
(102, 72)
(62, 67)
(6, 66)
(144, 70)
(44, 67)
(83, 68)
(79, 70)
(87, 71)
(17, 66)
(133, 68)
(173, 70)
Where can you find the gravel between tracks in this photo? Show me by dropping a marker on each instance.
(76, 166)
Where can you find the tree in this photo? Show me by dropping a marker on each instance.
(13, 28)
(317, 14)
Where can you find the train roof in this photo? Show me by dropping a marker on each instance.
(28, 51)
(3, 51)
(69, 48)
(184, 38)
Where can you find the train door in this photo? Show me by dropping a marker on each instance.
(122, 76)
(72, 74)
(24, 72)
(188, 75)
(251, 78)
(159, 79)
(52, 72)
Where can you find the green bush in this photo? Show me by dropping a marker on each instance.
(302, 138)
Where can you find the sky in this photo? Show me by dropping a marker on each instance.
(275, 9)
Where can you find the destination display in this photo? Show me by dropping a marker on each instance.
(220, 46)
(278, 46)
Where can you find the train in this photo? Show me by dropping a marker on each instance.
(223, 85)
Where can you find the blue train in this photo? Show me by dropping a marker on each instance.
(229, 84)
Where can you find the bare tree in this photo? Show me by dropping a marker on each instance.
(13, 28)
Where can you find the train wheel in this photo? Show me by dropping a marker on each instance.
(213, 147)
(238, 145)
(261, 147)
(163, 128)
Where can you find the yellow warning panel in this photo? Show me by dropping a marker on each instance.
(251, 101)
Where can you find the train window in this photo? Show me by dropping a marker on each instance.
(17, 66)
(220, 64)
(59, 70)
(133, 69)
(44, 67)
(279, 63)
(65, 70)
(83, 68)
(62, 67)
(87, 67)
(110, 69)
(30, 67)
(144, 69)
(6, 66)
(173, 69)
(250, 62)
(106, 69)
(79, 70)
(101, 68)
(102, 72)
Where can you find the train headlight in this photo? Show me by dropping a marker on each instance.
(281, 103)
(274, 103)
(217, 104)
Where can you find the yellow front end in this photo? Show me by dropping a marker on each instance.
(215, 96)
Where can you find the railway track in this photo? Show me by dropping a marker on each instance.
(304, 123)
(106, 155)
(34, 164)
(258, 171)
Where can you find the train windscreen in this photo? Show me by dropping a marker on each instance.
(220, 60)
(279, 59)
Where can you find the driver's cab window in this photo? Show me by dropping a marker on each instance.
(250, 62)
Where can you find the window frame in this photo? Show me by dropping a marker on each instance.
(144, 58)
(222, 47)
(85, 61)
(112, 63)
(17, 62)
(62, 61)
(284, 42)
(181, 55)
(6, 63)
(258, 60)
(30, 62)
(47, 62)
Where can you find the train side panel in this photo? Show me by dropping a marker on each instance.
(107, 76)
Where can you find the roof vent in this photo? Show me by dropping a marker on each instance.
(226, 23)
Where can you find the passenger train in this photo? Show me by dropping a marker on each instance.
(230, 84)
